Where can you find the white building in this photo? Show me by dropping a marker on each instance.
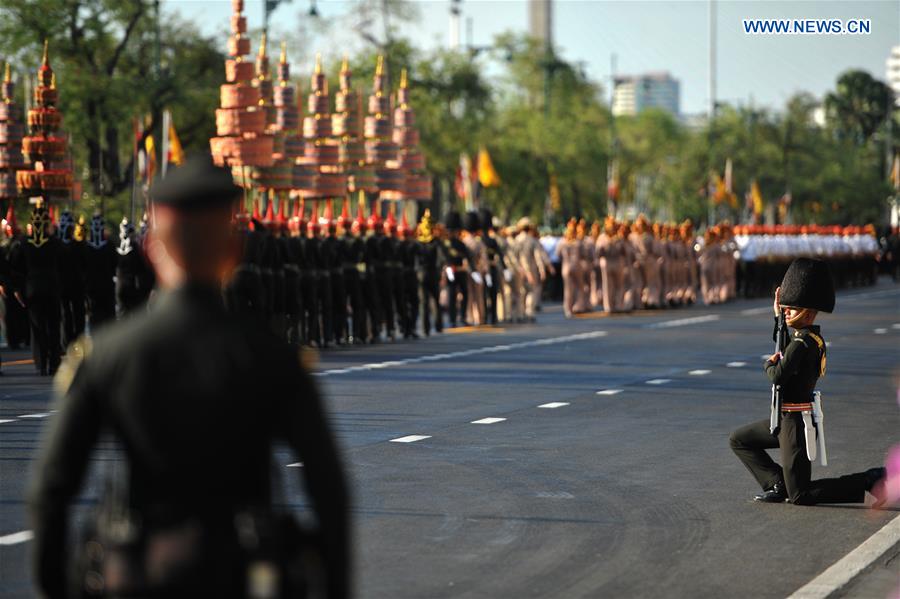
(632, 94)
(893, 72)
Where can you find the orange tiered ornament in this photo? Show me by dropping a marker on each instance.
(321, 152)
(11, 132)
(242, 140)
(380, 148)
(410, 158)
(347, 124)
(45, 150)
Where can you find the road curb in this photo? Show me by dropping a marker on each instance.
(852, 565)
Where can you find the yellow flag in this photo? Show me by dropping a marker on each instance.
(150, 148)
(757, 198)
(487, 175)
(176, 152)
(555, 200)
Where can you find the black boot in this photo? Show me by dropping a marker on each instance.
(875, 479)
(776, 494)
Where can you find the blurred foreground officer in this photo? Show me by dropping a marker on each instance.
(196, 396)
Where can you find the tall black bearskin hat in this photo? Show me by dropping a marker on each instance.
(808, 284)
(453, 222)
(471, 222)
(487, 219)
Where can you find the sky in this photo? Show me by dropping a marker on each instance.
(645, 36)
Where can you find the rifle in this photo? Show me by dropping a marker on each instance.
(781, 337)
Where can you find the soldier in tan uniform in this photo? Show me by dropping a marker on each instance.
(513, 279)
(611, 256)
(532, 268)
(709, 262)
(569, 252)
(594, 265)
(642, 241)
(478, 266)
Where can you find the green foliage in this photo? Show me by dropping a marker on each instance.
(536, 114)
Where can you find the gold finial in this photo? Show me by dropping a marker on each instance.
(7, 76)
(379, 67)
(283, 59)
(345, 65)
(262, 46)
(53, 81)
(403, 81)
(318, 70)
(45, 61)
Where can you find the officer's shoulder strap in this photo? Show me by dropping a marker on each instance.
(822, 350)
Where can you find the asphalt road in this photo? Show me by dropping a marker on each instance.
(629, 493)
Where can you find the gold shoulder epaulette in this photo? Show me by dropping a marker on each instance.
(77, 351)
(821, 345)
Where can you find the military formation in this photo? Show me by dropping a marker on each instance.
(319, 281)
(59, 278)
(314, 280)
(623, 266)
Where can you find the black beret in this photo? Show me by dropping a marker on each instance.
(198, 184)
(808, 284)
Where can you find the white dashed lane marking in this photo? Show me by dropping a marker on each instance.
(658, 381)
(553, 404)
(896, 325)
(736, 364)
(880, 331)
(752, 311)
(5, 421)
(465, 353)
(16, 538)
(41, 415)
(488, 421)
(699, 372)
(410, 438)
(295, 465)
(609, 391)
(683, 322)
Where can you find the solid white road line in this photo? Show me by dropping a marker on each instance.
(896, 325)
(488, 420)
(464, 353)
(880, 331)
(41, 415)
(765, 356)
(736, 364)
(553, 404)
(699, 372)
(609, 391)
(852, 564)
(295, 465)
(658, 381)
(410, 438)
(5, 421)
(683, 322)
(16, 538)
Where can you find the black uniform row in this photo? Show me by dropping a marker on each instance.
(56, 282)
(337, 285)
(311, 284)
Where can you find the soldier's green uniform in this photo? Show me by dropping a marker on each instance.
(807, 284)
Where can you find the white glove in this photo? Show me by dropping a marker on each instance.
(489, 281)
(450, 276)
(507, 274)
(476, 276)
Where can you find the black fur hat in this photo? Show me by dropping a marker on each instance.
(471, 222)
(453, 221)
(487, 220)
(808, 284)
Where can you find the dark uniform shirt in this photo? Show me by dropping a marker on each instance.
(801, 366)
(196, 396)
